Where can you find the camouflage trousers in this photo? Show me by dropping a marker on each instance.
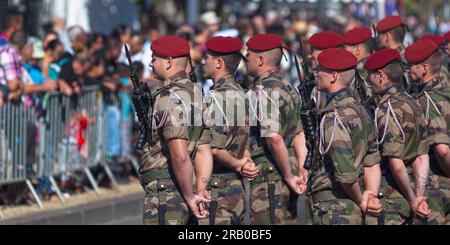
(446, 195)
(439, 200)
(272, 202)
(283, 204)
(327, 208)
(227, 194)
(396, 210)
(164, 204)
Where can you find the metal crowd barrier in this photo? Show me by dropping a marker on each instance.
(15, 120)
(58, 151)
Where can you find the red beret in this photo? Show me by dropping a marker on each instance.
(171, 46)
(224, 45)
(389, 23)
(447, 36)
(420, 51)
(357, 35)
(337, 59)
(326, 39)
(264, 42)
(438, 40)
(381, 59)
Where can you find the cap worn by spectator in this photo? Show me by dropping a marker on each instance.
(389, 23)
(171, 46)
(420, 51)
(326, 39)
(336, 59)
(381, 59)
(357, 35)
(210, 18)
(38, 50)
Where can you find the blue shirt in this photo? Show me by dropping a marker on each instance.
(35, 73)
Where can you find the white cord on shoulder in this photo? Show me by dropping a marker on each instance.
(260, 93)
(166, 112)
(430, 100)
(389, 112)
(156, 116)
(213, 96)
(337, 121)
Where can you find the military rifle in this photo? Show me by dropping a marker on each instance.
(143, 103)
(308, 110)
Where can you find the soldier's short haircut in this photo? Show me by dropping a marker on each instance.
(435, 61)
(369, 46)
(394, 72)
(180, 62)
(273, 57)
(232, 62)
(398, 33)
(347, 77)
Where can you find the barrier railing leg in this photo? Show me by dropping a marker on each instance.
(57, 190)
(92, 180)
(110, 174)
(135, 164)
(35, 195)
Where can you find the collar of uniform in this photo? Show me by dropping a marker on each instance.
(175, 78)
(259, 79)
(334, 98)
(435, 83)
(389, 92)
(223, 81)
(360, 65)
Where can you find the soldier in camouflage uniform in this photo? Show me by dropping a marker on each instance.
(166, 170)
(440, 42)
(336, 196)
(358, 41)
(274, 109)
(402, 138)
(391, 34)
(425, 58)
(229, 130)
(320, 42)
